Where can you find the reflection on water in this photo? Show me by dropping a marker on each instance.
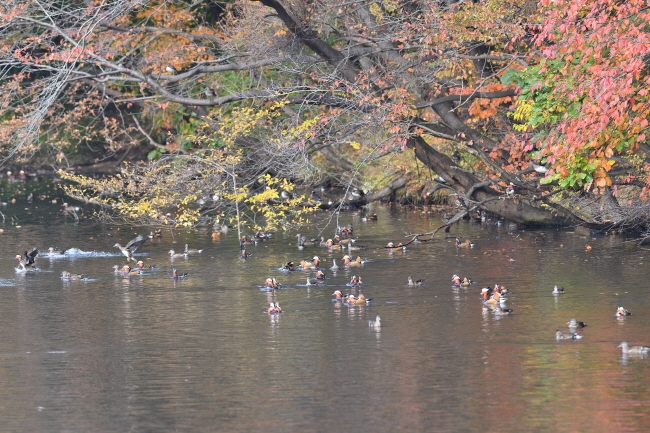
(151, 353)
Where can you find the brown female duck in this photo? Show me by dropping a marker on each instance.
(131, 247)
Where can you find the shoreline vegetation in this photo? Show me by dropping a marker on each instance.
(178, 112)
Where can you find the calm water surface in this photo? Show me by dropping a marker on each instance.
(148, 353)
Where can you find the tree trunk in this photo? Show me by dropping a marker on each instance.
(516, 208)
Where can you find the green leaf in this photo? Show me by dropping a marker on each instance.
(154, 154)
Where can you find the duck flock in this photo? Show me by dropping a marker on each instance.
(27, 262)
(493, 298)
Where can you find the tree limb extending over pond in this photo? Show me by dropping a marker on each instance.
(342, 93)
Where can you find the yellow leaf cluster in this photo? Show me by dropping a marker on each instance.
(522, 113)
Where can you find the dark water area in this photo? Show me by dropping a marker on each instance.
(149, 353)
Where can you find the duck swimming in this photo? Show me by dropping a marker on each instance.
(390, 245)
(173, 254)
(557, 291)
(559, 336)
(311, 264)
(156, 234)
(334, 265)
(140, 265)
(347, 231)
(375, 324)
(304, 242)
(67, 276)
(176, 275)
(338, 295)
(262, 236)
(357, 262)
(412, 283)
(361, 300)
(355, 281)
(622, 312)
(127, 271)
(456, 281)
(320, 275)
(345, 242)
(488, 297)
(289, 266)
(465, 244)
(274, 308)
(272, 283)
(189, 251)
(573, 323)
(51, 250)
(634, 350)
(332, 246)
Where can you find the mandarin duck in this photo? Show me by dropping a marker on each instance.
(622, 312)
(176, 275)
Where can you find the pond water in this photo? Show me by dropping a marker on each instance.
(148, 353)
